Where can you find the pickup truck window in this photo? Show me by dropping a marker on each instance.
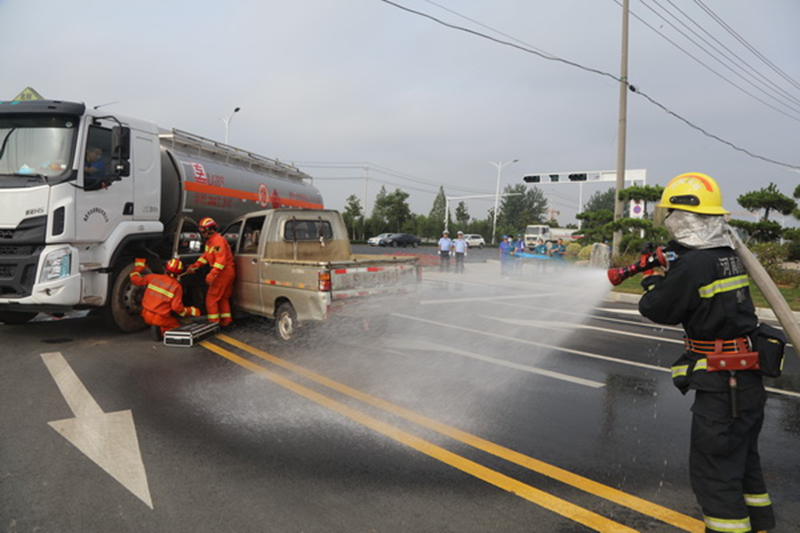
(307, 230)
(252, 233)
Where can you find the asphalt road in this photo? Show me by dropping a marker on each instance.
(527, 403)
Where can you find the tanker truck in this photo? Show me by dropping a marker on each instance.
(82, 193)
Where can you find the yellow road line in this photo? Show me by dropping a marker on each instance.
(611, 494)
(548, 501)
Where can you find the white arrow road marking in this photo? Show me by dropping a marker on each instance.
(108, 439)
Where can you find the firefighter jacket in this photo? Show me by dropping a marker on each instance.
(164, 294)
(217, 254)
(706, 291)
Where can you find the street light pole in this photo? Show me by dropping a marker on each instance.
(499, 167)
(227, 121)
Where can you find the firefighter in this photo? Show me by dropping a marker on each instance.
(162, 298)
(705, 289)
(220, 278)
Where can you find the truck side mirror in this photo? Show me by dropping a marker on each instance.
(121, 150)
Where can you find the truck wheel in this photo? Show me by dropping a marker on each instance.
(123, 308)
(286, 322)
(13, 319)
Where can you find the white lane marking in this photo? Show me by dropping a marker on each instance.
(533, 343)
(578, 352)
(108, 439)
(552, 324)
(427, 345)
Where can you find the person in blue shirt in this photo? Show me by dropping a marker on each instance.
(558, 250)
(445, 248)
(94, 170)
(541, 248)
(506, 248)
(460, 246)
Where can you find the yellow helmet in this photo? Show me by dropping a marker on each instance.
(693, 192)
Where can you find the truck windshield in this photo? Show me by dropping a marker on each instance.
(36, 147)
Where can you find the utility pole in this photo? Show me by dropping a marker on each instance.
(623, 118)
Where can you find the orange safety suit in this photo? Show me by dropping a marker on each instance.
(162, 298)
(220, 279)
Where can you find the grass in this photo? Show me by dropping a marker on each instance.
(791, 293)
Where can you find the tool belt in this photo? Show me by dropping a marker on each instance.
(731, 355)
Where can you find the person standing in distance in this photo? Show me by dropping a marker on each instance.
(445, 246)
(220, 279)
(460, 246)
(705, 289)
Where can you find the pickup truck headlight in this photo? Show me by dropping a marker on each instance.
(57, 264)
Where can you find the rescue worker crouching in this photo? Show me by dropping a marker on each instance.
(705, 289)
(220, 278)
(162, 298)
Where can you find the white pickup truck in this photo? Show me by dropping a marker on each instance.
(296, 266)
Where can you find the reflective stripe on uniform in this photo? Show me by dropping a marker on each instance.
(219, 266)
(741, 525)
(701, 364)
(679, 371)
(160, 290)
(723, 285)
(757, 500)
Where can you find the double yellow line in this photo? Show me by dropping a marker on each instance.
(548, 501)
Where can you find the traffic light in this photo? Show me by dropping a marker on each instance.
(532, 178)
(577, 177)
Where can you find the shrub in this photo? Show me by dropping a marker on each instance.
(573, 250)
(585, 253)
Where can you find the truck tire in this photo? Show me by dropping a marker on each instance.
(286, 322)
(13, 319)
(123, 308)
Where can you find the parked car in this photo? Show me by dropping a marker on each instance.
(401, 239)
(376, 240)
(474, 240)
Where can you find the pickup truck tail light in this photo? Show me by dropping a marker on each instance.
(324, 278)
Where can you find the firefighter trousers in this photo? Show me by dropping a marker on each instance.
(725, 466)
(218, 297)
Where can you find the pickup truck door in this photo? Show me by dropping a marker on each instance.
(246, 255)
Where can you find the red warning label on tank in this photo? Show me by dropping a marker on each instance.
(199, 173)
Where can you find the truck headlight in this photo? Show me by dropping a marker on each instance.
(57, 264)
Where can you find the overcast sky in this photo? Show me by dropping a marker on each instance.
(354, 88)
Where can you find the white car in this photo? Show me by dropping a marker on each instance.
(376, 241)
(474, 240)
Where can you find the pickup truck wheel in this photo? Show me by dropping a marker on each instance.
(414, 245)
(286, 322)
(394, 244)
(12, 319)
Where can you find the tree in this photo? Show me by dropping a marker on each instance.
(378, 222)
(768, 199)
(520, 207)
(462, 215)
(642, 193)
(437, 214)
(353, 217)
(397, 210)
(601, 200)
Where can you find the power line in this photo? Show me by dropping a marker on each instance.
(631, 87)
(687, 37)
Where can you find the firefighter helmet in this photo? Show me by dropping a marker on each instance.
(174, 266)
(208, 223)
(693, 192)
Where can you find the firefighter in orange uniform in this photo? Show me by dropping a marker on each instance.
(163, 296)
(219, 257)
